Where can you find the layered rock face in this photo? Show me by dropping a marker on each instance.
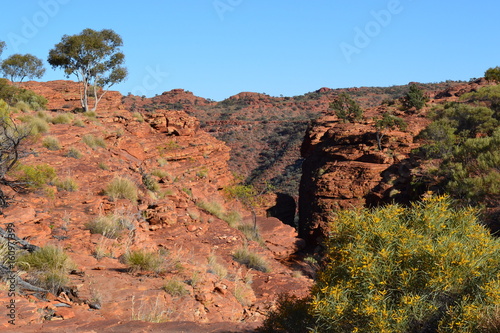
(343, 167)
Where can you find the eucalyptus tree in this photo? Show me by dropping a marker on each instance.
(17, 67)
(94, 57)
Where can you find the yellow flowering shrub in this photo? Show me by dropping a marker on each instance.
(427, 268)
(424, 268)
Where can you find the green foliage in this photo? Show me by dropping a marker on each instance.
(36, 176)
(94, 57)
(17, 67)
(93, 141)
(251, 232)
(216, 268)
(66, 184)
(110, 226)
(150, 183)
(51, 143)
(473, 170)
(13, 95)
(488, 96)
(122, 188)
(233, 218)
(346, 108)
(425, 268)
(440, 137)
(2, 46)
(78, 122)
(61, 118)
(49, 265)
(466, 139)
(388, 122)
(493, 74)
(470, 121)
(22, 106)
(175, 288)
(251, 259)
(414, 98)
(74, 153)
(160, 173)
(142, 260)
(36, 125)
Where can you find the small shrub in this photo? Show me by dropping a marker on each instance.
(195, 279)
(175, 288)
(49, 265)
(211, 207)
(346, 108)
(251, 259)
(23, 106)
(233, 218)
(90, 114)
(138, 116)
(61, 118)
(43, 115)
(160, 173)
(251, 232)
(150, 183)
(187, 191)
(142, 260)
(122, 188)
(93, 141)
(110, 226)
(38, 125)
(36, 176)
(103, 166)
(51, 143)
(78, 122)
(74, 153)
(414, 98)
(151, 313)
(66, 184)
(202, 173)
(216, 268)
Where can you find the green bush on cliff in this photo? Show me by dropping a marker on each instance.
(346, 108)
(414, 98)
(426, 268)
(465, 140)
(12, 95)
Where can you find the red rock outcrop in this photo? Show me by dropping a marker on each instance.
(344, 168)
(189, 167)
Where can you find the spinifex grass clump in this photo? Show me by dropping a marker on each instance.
(427, 268)
(48, 265)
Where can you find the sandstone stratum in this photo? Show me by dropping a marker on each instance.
(190, 168)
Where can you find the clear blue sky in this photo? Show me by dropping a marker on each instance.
(218, 48)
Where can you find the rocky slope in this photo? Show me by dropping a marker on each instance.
(343, 167)
(190, 168)
(264, 132)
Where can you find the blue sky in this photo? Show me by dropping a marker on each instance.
(218, 48)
